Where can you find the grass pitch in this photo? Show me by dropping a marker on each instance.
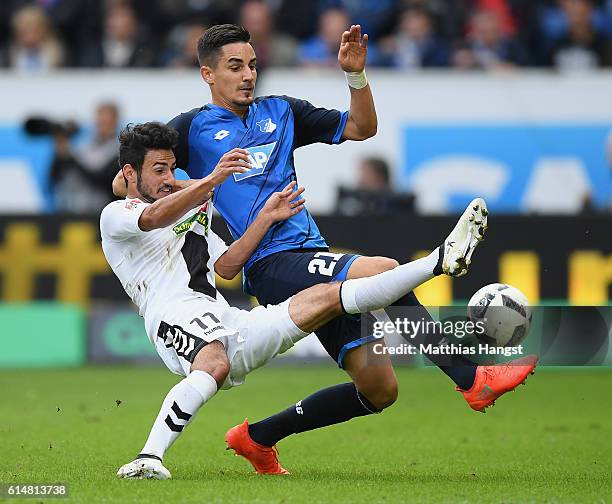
(551, 441)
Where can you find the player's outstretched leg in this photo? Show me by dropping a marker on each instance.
(490, 382)
(314, 307)
(457, 256)
(208, 371)
(453, 258)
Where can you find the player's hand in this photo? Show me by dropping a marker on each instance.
(353, 50)
(282, 205)
(234, 161)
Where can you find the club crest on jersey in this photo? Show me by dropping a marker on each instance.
(258, 157)
(266, 126)
(201, 217)
(131, 204)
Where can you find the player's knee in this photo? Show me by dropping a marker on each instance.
(383, 395)
(332, 296)
(385, 263)
(386, 395)
(213, 360)
(221, 370)
(369, 266)
(328, 296)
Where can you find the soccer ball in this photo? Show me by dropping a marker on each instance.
(504, 312)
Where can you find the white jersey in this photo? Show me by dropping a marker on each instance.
(162, 268)
(169, 274)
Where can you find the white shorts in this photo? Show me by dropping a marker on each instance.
(251, 337)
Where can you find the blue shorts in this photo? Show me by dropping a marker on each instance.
(279, 276)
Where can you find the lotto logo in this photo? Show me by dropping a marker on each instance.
(258, 157)
(221, 134)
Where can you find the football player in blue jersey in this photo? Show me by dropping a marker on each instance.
(262, 133)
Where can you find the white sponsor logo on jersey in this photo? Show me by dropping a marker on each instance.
(221, 134)
(258, 157)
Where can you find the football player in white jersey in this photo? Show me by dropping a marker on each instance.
(160, 246)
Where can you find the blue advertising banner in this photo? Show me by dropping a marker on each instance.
(516, 167)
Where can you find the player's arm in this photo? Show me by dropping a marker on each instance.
(166, 211)
(183, 184)
(119, 185)
(280, 206)
(362, 122)
(120, 189)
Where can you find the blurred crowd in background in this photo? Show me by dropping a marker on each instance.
(80, 178)
(38, 35)
(41, 35)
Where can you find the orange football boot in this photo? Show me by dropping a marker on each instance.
(491, 382)
(263, 458)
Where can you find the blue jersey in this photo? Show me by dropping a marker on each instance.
(274, 127)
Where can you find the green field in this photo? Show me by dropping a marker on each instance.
(551, 441)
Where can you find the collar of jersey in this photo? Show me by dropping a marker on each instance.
(227, 114)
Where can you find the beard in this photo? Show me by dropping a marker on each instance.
(144, 191)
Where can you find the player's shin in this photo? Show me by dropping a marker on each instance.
(459, 369)
(362, 295)
(329, 406)
(178, 409)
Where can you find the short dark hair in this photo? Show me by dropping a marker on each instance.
(213, 39)
(136, 140)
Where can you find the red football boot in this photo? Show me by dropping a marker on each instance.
(492, 382)
(263, 458)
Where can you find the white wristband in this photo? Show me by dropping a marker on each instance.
(356, 80)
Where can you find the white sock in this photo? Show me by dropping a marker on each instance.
(362, 295)
(178, 409)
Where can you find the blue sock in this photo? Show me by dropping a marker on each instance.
(328, 406)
